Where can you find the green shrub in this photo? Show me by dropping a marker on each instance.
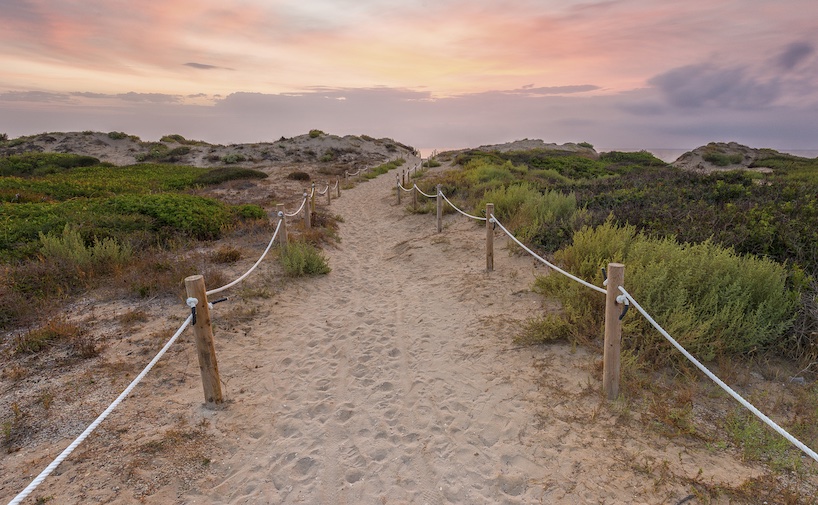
(117, 135)
(173, 138)
(198, 217)
(298, 176)
(316, 133)
(70, 249)
(249, 211)
(40, 164)
(721, 159)
(586, 144)
(300, 259)
(547, 218)
(223, 174)
(233, 158)
(716, 303)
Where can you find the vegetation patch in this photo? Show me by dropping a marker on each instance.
(301, 259)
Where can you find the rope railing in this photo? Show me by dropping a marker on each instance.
(627, 299)
(192, 302)
(303, 203)
(68, 450)
(478, 218)
(769, 422)
(84, 435)
(247, 273)
(407, 190)
(539, 258)
(424, 194)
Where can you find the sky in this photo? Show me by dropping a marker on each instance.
(627, 74)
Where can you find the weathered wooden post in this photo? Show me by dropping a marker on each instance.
(613, 332)
(439, 210)
(203, 333)
(338, 187)
(489, 238)
(329, 194)
(397, 187)
(414, 197)
(312, 198)
(282, 232)
(307, 213)
(403, 176)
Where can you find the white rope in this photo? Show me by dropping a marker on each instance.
(226, 286)
(424, 194)
(460, 211)
(312, 192)
(303, 202)
(353, 175)
(406, 190)
(68, 450)
(325, 191)
(337, 181)
(558, 269)
(781, 431)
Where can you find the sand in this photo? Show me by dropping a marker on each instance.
(393, 379)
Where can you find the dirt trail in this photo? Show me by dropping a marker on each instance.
(394, 379)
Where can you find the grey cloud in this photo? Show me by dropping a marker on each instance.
(793, 55)
(706, 85)
(205, 66)
(201, 66)
(34, 96)
(556, 90)
(148, 97)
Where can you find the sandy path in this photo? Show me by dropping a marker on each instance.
(384, 382)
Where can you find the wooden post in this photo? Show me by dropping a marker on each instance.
(282, 232)
(203, 333)
(403, 176)
(338, 187)
(312, 198)
(439, 210)
(489, 238)
(397, 187)
(329, 194)
(414, 197)
(307, 213)
(613, 332)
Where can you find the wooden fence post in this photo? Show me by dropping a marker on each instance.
(329, 194)
(397, 187)
(489, 238)
(307, 213)
(439, 210)
(203, 333)
(338, 187)
(282, 232)
(613, 332)
(414, 197)
(312, 198)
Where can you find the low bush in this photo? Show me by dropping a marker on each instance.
(298, 176)
(716, 303)
(39, 164)
(316, 133)
(224, 174)
(300, 259)
(722, 159)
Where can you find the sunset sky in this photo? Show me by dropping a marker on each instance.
(442, 73)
